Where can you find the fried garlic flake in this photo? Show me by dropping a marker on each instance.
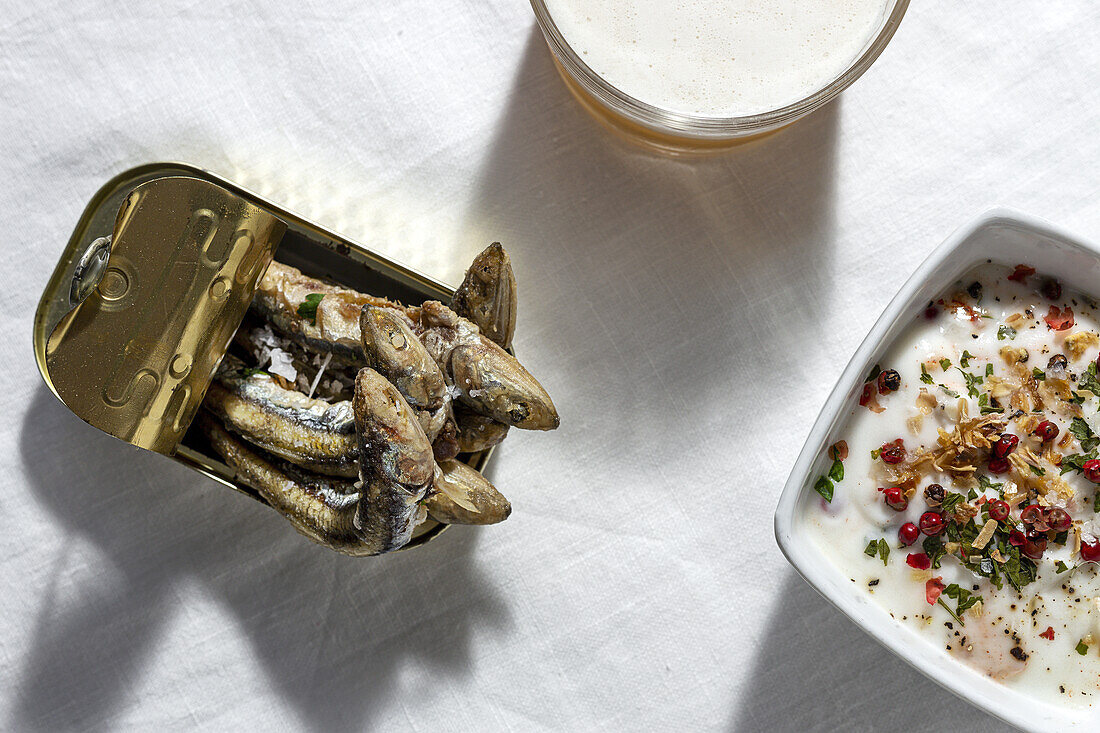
(1077, 344)
(985, 535)
(926, 402)
(1014, 355)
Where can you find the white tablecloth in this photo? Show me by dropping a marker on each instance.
(688, 317)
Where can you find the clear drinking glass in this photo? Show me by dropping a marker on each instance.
(679, 133)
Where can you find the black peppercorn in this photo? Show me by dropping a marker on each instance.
(974, 290)
(1051, 289)
(1058, 361)
(889, 381)
(934, 494)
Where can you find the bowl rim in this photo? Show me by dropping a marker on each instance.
(1022, 711)
(703, 127)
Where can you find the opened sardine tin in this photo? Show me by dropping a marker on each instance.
(153, 284)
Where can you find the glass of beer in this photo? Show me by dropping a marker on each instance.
(692, 76)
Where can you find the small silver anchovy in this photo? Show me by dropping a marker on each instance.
(321, 508)
(308, 432)
(489, 379)
(394, 351)
(396, 465)
(464, 496)
(487, 295)
(334, 325)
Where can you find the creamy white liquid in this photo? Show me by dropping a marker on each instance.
(719, 58)
(1067, 602)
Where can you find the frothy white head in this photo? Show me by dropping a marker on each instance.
(719, 58)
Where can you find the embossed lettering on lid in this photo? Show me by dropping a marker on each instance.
(135, 357)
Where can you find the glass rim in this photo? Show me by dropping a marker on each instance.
(699, 126)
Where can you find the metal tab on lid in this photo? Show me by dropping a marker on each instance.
(135, 355)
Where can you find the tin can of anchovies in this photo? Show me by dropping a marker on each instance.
(156, 279)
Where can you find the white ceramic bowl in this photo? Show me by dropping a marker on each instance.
(1005, 236)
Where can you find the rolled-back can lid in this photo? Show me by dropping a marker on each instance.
(135, 355)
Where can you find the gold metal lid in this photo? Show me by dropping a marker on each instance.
(155, 306)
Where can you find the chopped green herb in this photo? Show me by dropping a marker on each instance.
(950, 501)
(989, 370)
(986, 568)
(933, 547)
(947, 391)
(962, 533)
(1061, 567)
(965, 599)
(952, 613)
(836, 471)
(876, 453)
(965, 359)
(986, 484)
(874, 374)
(971, 383)
(1006, 332)
(308, 307)
(824, 487)
(1038, 374)
(945, 364)
(249, 371)
(1018, 570)
(1083, 433)
(1088, 380)
(1076, 462)
(1096, 503)
(1036, 470)
(878, 547)
(924, 375)
(1082, 648)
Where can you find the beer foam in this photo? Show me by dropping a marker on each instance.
(719, 58)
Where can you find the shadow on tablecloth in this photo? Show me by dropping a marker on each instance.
(148, 538)
(817, 671)
(663, 283)
(669, 284)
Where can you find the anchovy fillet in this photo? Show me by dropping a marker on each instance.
(487, 295)
(334, 327)
(321, 508)
(464, 496)
(393, 350)
(396, 465)
(488, 378)
(308, 432)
